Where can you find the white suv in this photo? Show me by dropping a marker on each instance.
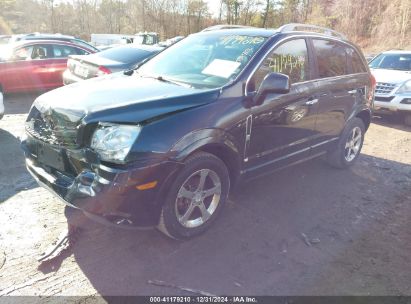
(392, 70)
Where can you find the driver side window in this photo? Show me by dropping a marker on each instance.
(290, 58)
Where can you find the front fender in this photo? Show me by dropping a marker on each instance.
(198, 139)
(215, 141)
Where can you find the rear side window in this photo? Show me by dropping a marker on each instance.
(331, 58)
(357, 64)
(63, 51)
(290, 58)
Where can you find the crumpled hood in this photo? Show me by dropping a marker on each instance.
(390, 76)
(121, 98)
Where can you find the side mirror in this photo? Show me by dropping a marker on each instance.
(274, 83)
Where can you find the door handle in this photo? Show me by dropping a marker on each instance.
(352, 91)
(311, 102)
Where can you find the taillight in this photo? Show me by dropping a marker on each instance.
(102, 71)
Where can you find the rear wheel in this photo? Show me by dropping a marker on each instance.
(407, 120)
(349, 145)
(196, 197)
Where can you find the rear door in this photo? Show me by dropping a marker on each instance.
(336, 88)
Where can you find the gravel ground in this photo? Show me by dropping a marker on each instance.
(305, 230)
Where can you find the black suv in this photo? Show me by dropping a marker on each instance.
(162, 145)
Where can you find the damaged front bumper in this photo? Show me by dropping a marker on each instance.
(107, 194)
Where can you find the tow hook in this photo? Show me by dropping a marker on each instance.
(65, 242)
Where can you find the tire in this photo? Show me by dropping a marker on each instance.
(190, 209)
(407, 120)
(343, 157)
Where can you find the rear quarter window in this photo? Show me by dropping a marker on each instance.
(331, 58)
(357, 65)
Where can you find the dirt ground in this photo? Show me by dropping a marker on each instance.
(357, 222)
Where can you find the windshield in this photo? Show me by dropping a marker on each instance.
(401, 62)
(204, 61)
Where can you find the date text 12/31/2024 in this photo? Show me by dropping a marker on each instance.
(204, 299)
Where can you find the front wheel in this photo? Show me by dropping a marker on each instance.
(349, 145)
(407, 120)
(196, 197)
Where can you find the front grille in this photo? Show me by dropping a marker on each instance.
(384, 88)
(53, 129)
(384, 99)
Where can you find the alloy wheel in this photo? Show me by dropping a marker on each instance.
(198, 198)
(353, 144)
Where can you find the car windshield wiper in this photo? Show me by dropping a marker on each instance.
(164, 79)
(131, 71)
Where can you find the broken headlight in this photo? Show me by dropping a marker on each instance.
(113, 142)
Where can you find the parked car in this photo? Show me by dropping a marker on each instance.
(81, 67)
(35, 65)
(392, 71)
(1, 105)
(42, 36)
(164, 145)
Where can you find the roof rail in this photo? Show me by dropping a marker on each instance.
(225, 27)
(299, 27)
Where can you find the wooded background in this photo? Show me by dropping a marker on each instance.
(375, 25)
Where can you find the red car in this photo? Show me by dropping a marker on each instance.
(35, 65)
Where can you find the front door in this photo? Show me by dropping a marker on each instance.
(28, 69)
(282, 129)
(15, 76)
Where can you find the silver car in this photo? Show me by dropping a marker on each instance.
(392, 71)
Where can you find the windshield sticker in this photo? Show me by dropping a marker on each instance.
(221, 68)
(238, 39)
